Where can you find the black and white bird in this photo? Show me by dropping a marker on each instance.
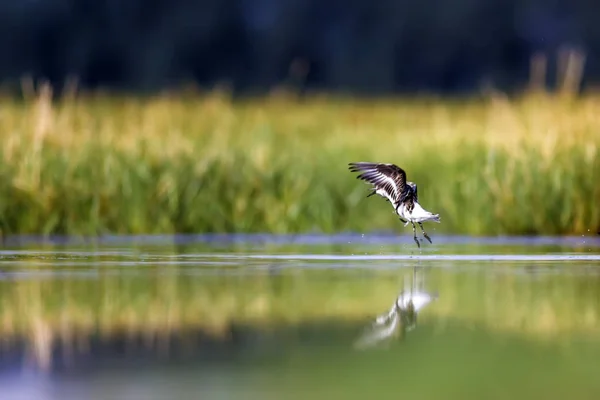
(389, 181)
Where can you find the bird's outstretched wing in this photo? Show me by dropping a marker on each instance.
(389, 180)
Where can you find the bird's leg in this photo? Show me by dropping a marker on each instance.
(415, 235)
(425, 233)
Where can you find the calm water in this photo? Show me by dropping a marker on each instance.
(262, 317)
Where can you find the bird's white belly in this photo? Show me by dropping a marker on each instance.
(418, 214)
(404, 213)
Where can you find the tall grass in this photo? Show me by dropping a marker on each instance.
(191, 163)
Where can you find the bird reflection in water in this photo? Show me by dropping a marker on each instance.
(402, 316)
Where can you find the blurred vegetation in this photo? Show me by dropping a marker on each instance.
(204, 163)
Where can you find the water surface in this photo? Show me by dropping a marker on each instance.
(259, 316)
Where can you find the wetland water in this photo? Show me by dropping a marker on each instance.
(271, 317)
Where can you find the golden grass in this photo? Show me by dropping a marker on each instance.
(194, 163)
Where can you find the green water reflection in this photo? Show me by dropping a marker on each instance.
(160, 323)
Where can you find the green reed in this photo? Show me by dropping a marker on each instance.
(193, 163)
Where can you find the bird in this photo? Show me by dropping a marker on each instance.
(408, 304)
(389, 181)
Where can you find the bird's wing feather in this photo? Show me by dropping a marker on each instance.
(389, 178)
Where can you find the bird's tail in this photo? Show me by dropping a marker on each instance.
(419, 213)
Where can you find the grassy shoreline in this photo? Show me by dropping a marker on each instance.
(196, 164)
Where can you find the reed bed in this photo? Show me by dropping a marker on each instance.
(203, 163)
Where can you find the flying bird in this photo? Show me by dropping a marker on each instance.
(389, 181)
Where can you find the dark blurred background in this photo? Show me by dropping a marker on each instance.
(358, 46)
